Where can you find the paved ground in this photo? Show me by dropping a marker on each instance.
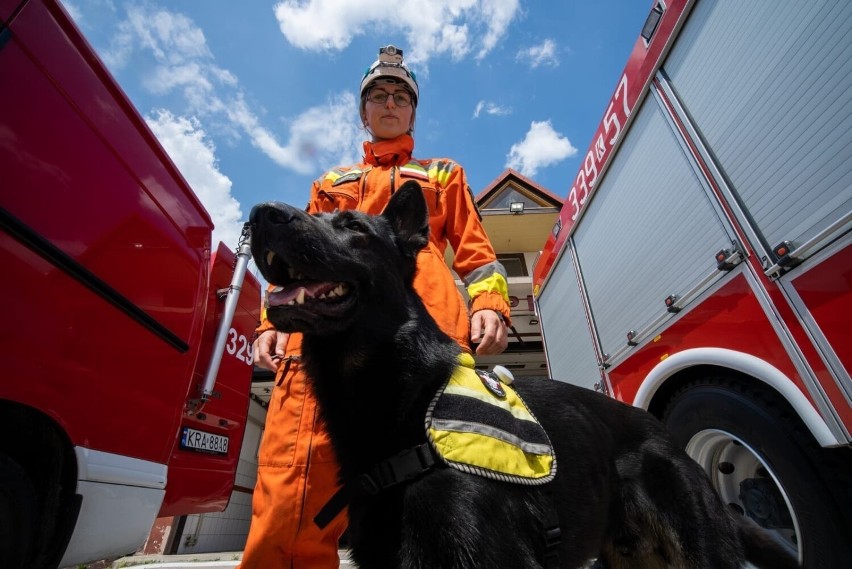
(226, 560)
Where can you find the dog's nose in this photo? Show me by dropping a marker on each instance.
(258, 211)
(273, 213)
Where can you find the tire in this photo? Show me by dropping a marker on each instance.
(18, 516)
(764, 463)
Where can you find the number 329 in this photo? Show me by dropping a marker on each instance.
(239, 347)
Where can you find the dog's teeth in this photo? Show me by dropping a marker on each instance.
(277, 289)
(291, 303)
(322, 296)
(270, 256)
(300, 299)
(331, 294)
(342, 289)
(292, 272)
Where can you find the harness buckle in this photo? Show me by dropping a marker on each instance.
(552, 537)
(405, 465)
(410, 463)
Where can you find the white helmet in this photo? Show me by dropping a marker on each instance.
(389, 67)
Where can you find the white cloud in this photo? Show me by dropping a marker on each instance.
(538, 55)
(498, 14)
(322, 135)
(431, 27)
(182, 59)
(195, 156)
(190, 76)
(541, 147)
(491, 109)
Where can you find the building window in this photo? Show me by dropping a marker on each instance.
(515, 264)
(505, 200)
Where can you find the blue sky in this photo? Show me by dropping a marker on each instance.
(254, 100)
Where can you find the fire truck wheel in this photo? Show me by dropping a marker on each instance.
(18, 514)
(764, 464)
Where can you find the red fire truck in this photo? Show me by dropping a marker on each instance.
(701, 267)
(118, 314)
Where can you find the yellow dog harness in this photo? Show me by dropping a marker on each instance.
(475, 424)
(480, 425)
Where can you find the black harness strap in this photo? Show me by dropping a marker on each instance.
(402, 467)
(333, 507)
(552, 535)
(410, 464)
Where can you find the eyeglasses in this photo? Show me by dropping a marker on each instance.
(379, 97)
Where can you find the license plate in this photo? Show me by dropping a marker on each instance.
(192, 439)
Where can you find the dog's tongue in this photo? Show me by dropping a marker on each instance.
(293, 293)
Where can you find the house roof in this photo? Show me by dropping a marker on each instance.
(511, 183)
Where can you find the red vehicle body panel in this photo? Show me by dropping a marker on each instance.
(120, 214)
(203, 482)
(7, 8)
(731, 318)
(824, 287)
(825, 290)
(112, 295)
(726, 314)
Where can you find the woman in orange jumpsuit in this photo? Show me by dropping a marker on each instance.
(297, 472)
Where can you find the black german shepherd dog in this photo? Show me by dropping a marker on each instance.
(623, 492)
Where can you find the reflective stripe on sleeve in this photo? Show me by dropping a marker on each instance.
(488, 278)
(440, 171)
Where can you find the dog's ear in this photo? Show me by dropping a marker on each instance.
(406, 212)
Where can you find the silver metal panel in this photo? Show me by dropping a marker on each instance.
(769, 85)
(650, 231)
(570, 349)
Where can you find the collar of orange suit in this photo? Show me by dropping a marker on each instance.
(390, 152)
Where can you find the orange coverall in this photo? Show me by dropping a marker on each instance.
(297, 471)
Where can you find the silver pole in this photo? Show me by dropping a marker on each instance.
(233, 295)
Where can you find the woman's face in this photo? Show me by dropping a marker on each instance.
(388, 119)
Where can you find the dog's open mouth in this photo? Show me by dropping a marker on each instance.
(293, 288)
(303, 291)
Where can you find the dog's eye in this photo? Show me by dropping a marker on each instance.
(356, 225)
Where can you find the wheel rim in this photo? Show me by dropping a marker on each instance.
(746, 483)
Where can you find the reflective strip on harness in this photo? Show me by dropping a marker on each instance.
(485, 429)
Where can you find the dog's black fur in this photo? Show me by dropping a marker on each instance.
(623, 492)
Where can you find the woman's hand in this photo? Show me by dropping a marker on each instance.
(488, 329)
(269, 349)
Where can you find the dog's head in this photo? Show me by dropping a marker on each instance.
(328, 268)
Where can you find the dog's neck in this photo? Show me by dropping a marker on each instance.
(378, 379)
